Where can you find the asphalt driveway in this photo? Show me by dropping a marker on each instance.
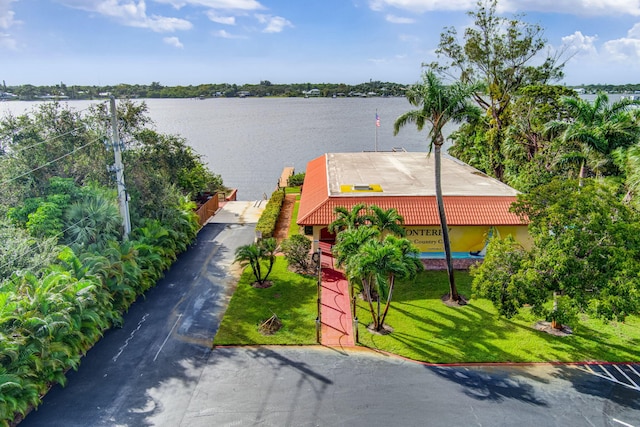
(145, 373)
(160, 370)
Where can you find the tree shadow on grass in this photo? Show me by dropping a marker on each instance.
(292, 298)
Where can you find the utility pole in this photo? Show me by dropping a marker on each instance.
(123, 199)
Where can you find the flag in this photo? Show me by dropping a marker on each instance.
(377, 120)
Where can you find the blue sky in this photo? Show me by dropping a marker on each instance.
(182, 42)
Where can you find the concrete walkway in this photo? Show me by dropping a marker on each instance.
(238, 212)
(336, 321)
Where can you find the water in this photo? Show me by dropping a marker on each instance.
(248, 141)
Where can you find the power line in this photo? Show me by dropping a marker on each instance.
(46, 140)
(50, 162)
(36, 128)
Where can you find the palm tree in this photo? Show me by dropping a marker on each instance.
(377, 264)
(628, 160)
(254, 254)
(92, 222)
(597, 128)
(387, 221)
(438, 105)
(348, 219)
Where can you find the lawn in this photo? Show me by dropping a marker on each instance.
(293, 227)
(426, 329)
(292, 298)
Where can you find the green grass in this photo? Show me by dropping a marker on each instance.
(290, 190)
(293, 227)
(292, 298)
(425, 329)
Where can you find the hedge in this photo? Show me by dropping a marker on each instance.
(269, 218)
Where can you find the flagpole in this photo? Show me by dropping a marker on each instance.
(377, 126)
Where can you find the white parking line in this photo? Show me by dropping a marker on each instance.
(622, 422)
(604, 373)
(167, 337)
(626, 376)
(126, 342)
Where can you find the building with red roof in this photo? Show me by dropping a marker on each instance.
(476, 205)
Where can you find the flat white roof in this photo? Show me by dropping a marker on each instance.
(407, 174)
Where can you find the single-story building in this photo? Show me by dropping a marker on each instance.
(476, 205)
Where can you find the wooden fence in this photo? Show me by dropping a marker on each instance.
(208, 209)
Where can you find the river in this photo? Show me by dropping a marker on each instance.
(248, 141)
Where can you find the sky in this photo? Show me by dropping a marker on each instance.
(190, 42)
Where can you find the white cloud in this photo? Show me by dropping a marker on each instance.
(130, 13)
(572, 7)
(422, 5)
(622, 50)
(579, 44)
(399, 20)
(6, 14)
(226, 35)
(227, 20)
(576, 7)
(275, 24)
(634, 32)
(173, 41)
(7, 20)
(216, 4)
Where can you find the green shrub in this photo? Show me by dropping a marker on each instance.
(296, 250)
(267, 222)
(296, 180)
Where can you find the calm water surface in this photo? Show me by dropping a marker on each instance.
(249, 140)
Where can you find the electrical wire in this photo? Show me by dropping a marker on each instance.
(50, 162)
(34, 127)
(46, 140)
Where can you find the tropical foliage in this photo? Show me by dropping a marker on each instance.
(296, 250)
(373, 256)
(585, 256)
(503, 55)
(256, 255)
(66, 273)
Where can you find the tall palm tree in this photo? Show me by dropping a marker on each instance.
(437, 105)
(597, 128)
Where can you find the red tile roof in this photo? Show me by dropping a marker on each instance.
(317, 207)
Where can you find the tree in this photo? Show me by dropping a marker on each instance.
(377, 264)
(348, 219)
(387, 221)
(438, 105)
(296, 250)
(595, 129)
(584, 257)
(92, 222)
(254, 255)
(532, 157)
(500, 53)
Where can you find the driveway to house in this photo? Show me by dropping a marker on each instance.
(159, 370)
